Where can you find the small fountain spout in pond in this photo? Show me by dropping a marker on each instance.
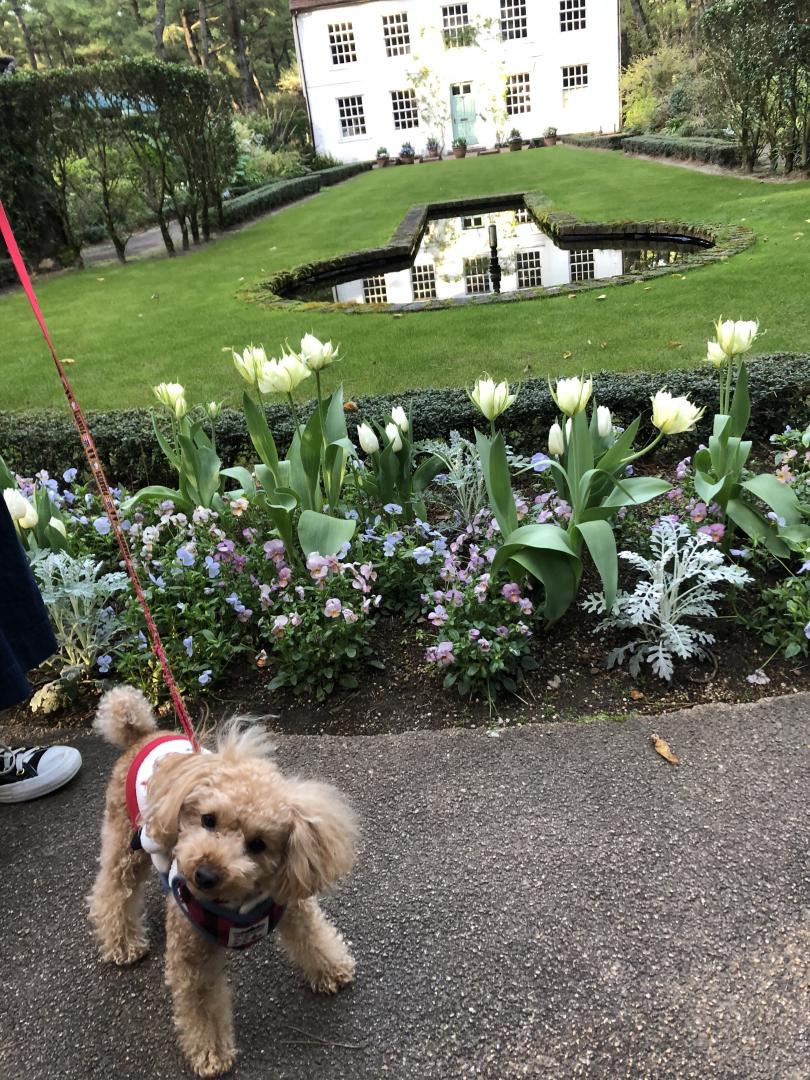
(494, 265)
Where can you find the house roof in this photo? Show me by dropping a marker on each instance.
(316, 5)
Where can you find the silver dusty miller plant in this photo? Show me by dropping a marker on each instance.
(463, 477)
(679, 584)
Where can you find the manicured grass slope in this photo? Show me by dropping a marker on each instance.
(170, 319)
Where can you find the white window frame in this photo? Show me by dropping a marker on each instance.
(518, 93)
(405, 109)
(396, 34)
(581, 264)
(478, 275)
(530, 274)
(572, 15)
(456, 25)
(342, 44)
(472, 221)
(344, 115)
(575, 76)
(375, 289)
(514, 21)
(423, 281)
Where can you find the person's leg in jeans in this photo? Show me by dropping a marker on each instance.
(26, 639)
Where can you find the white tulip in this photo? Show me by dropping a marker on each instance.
(273, 378)
(368, 440)
(400, 418)
(59, 525)
(736, 337)
(249, 362)
(604, 421)
(672, 415)
(317, 354)
(492, 399)
(296, 369)
(572, 395)
(173, 396)
(21, 510)
(394, 436)
(556, 446)
(715, 354)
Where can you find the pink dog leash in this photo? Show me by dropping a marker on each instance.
(97, 472)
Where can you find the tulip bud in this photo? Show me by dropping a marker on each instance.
(672, 415)
(604, 421)
(21, 510)
(172, 395)
(213, 409)
(715, 354)
(59, 525)
(394, 436)
(491, 399)
(368, 440)
(572, 395)
(400, 418)
(556, 446)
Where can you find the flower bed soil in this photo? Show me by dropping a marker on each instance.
(571, 683)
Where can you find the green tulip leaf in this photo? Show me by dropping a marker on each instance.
(323, 534)
(754, 525)
(601, 544)
(260, 434)
(780, 497)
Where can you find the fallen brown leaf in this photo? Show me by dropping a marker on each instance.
(567, 355)
(662, 747)
(636, 695)
(350, 406)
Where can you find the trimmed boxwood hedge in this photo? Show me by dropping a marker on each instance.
(711, 151)
(613, 141)
(281, 192)
(29, 441)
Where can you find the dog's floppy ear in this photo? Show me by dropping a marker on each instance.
(320, 844)
(170, 785)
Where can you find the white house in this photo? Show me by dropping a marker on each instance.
(385, 72)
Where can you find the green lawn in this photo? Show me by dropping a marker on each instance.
(160, 319)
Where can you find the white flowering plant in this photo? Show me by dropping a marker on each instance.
(678, 584)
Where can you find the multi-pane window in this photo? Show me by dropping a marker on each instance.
(522, 217)
(374, 289)
(352, 117)
(513, 19)
(406, 114)
(456, 26)
(576, 75)
(572, 14)
(528, 269)
(476, 275)
(472, 221)
(581, 264)
(341, 42)
(518, 94)
(423, 281)
(397, 35)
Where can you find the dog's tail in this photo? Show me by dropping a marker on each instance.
(124, 716)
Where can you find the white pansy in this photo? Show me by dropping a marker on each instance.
(572, 395)
(672, 415)
(368, 440)
(21, 510)
(492, 398)
(400, 418)
(604, 421)
(394, 436)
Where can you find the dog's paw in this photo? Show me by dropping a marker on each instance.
(331, 979)
(125, 953)
(213, 1062)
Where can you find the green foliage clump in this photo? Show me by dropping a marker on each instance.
(710, 151)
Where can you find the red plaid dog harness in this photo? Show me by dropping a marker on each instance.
(217, 924)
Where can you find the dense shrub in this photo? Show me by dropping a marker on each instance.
(711, 151)
(596, 142)
(8, 275)
(30, 441)
(280, 192)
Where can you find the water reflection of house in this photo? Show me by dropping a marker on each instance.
(453, 262)
(383, 72)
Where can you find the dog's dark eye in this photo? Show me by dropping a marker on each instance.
(208, 821)
(255, 846)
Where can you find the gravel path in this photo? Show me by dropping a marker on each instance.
(554, 902)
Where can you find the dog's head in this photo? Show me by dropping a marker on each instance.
(239, 829)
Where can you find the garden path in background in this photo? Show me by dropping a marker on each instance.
(548, 902)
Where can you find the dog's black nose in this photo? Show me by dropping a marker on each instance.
(205, 877)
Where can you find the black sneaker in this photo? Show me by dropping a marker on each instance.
(30, 771)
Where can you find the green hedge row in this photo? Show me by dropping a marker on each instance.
(8, 275)
(30, 441)
(281, 192)
(711, 151)
(596, 142)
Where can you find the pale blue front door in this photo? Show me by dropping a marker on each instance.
(462, 112)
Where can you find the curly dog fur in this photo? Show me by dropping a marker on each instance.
(271, 835)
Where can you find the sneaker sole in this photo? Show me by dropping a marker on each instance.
(37, 786)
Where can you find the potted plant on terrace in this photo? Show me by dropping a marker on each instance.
(459, 147)
(432, 145)
(515, 140)
(407, 154)
(550, 136)
(382, 156)
(535, 143)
